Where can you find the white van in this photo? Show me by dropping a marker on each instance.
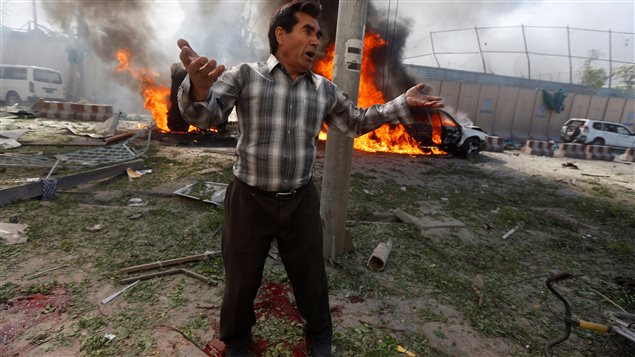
(29, 83)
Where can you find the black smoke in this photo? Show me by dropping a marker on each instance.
(107, 26)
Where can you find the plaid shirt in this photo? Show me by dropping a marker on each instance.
(279, 119)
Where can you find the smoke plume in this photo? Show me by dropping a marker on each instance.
(230, 31)
(107, 26)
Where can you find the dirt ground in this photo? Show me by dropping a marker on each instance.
(445, 291)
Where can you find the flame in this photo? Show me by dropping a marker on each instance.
(156, 96)
(388, 138)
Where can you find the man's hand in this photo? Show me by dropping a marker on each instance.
(203, 71)
(416, 99)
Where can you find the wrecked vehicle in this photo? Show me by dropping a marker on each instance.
(439, 128)
(30, 83)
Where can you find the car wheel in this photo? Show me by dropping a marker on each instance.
(597, 141)
(13, 98)
(570, 133)
(470, 148)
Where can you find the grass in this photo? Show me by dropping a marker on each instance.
(544, 244)
(495, 286)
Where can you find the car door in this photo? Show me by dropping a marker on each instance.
(47, 84)
(625, 137)
(421, 129)
(608, 134)
(451, 130)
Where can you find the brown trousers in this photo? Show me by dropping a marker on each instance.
(253, 218)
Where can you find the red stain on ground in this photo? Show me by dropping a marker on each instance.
(24, 312)
(337, 311)
(272, 301)
(356, 299)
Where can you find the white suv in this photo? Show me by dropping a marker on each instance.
(595, 132)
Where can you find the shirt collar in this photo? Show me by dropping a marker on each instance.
(273, 62)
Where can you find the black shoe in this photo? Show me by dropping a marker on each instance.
(321, 347)
(241, 351)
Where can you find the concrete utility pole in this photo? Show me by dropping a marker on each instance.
(35, 26)
(349, 43)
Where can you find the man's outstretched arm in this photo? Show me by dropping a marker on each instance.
(203, 72)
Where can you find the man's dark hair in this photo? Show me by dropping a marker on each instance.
(285, 18)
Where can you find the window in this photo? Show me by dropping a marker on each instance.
(42, 75)
(597, 126)
(611, 128)
(622, 130)
(13, 73)
(447, 120)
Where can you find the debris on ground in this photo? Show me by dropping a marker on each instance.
(133, 174)
(457, 292)
(570, 165)
(13, 233)
(379, 257)
(511, 231)
(206, 191)
(425, 224)
(117, 293)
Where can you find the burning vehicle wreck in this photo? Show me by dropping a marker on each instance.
(438, 128)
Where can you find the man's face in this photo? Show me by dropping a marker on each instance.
(297, 49)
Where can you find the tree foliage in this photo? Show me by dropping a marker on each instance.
(593, 75)
(626, 75)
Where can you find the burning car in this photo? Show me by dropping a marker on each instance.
(438, 128)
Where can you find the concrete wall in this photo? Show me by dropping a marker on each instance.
(519, 114)
(517, 111)
(504, 112)
(628, 116)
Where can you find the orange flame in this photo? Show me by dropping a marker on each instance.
(388, 138)
(156, 96)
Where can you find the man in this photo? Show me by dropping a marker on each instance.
(280, 105)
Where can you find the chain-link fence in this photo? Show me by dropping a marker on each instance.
(535, 52)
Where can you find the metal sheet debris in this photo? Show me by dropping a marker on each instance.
(13, 134)
(13, 233)
(124, 151)
(6, 144)
(206, 191)
(117, 293)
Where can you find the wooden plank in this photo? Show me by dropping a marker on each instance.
(34, 189)
(111, 139)
(87, 142)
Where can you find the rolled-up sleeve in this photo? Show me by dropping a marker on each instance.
(354, 121)
(202, 115)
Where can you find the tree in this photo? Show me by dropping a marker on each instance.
(626, 74)
(592, 75)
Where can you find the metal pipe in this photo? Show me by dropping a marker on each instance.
(567, 315)
(478, 40)
(379, 257)
(610, 59)
(526, 52)
(569, 49)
